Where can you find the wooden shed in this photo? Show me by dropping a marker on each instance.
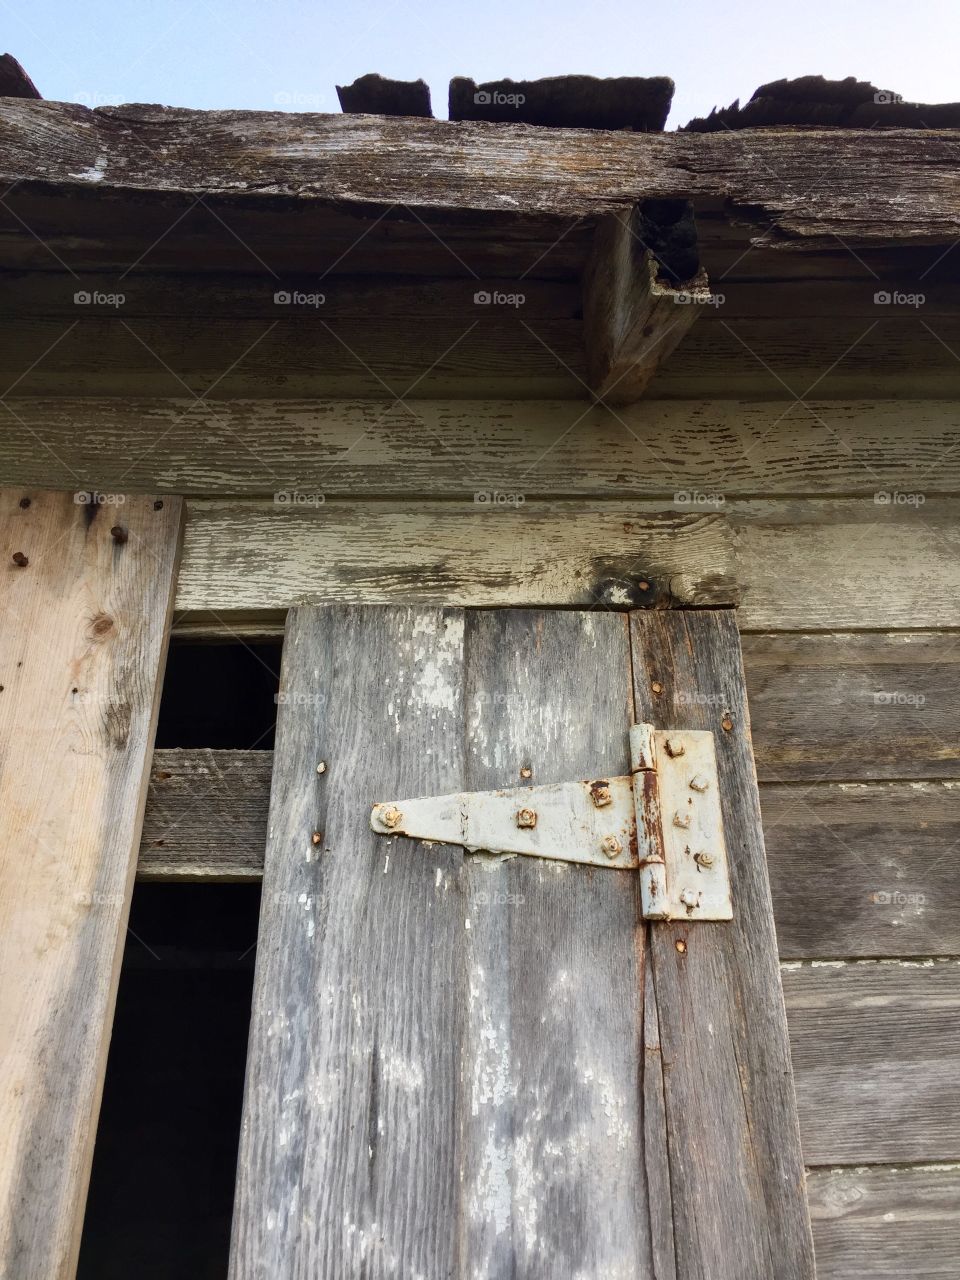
(580, 499)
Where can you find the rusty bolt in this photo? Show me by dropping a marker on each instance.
(20, 560)
(526, 771)
(681, 946)
(703, 858)
(674, 747)
(611, 846)
(526, 818)
(699, 782)
(316, 838)
(390, 816)
(322, 767)
(726, 724)
(600, 794)
(689, 899)
(656, 686)
(119, 534)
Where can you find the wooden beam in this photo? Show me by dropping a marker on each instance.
(883, 847)
(795, 565)
(251, 447)
(806, 186)
(632, 317)
(85, 619)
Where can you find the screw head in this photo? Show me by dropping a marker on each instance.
(700, 782)
(681, 820)
(656, 686)
(322, 767)
(600, 794)
(527, 818)
(689, 899)
(390, 816)
(703, 858)
(674, 747)
(611, 846)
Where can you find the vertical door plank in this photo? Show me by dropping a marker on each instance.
(736, 1171)
(553, 1170)
(84, 620)
(349, 1146)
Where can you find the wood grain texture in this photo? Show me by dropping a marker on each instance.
(884, 1224)
(875, 1046)
(349, 1155)
(854, 707)
(770, 176)
(802, 565)
(82, 646)
(886, 850)
(864, 869)
(554, 1176)
(632, 320)
(731, 1113)
(696, 449)
(439, 1062)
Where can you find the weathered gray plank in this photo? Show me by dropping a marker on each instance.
(698, 454)
(812, 565)
(864, 869)
(885, 1224)
(885, 849)
(875, 1047)
(855, 707)
(83, 633)
(554, 1179)
(349, 1153)
(731, 1114)
(809, 185)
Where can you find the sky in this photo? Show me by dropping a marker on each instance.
(287, 55)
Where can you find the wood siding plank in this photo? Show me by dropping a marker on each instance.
(83, 635)
(731, 1112)
(875, 1047)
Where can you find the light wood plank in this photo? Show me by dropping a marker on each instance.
(83, 634)
(812, 565)
(875, 1047)
(884, 1224)
(689, 453)
(767, 175)
(731, 1114)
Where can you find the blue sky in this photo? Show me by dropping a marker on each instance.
(287, 55)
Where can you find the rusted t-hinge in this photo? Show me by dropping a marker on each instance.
(664, 818)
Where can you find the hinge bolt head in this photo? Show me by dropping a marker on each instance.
(681, 820)
(526, 818)
(611, 846)
(689, 899)
(674, 747)
(699, 782)
(703, 858)
(600, 794)
(390, 816)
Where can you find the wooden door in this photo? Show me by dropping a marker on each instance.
(465, 1066)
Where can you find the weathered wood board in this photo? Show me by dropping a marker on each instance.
(810, 185)
(796, 565)
(886, 847)
(731, 1114)
(440, 1048)
(881, 1039)
(729, 449)
(83, 632)
(886, 1224)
